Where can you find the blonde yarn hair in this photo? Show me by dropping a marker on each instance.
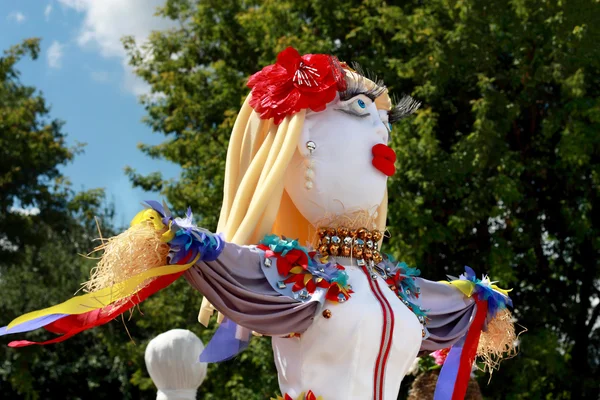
(254, 200)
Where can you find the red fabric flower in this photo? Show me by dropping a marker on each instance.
(295, 83)
(440, 355)
(285, 263)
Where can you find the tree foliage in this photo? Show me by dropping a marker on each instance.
(44, 226)
(499, 170)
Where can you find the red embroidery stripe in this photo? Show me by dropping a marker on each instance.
(391, 330)
(384, 347)
(388, 331)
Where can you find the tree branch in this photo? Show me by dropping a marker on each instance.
(595, 314)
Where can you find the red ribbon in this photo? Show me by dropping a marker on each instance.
(469, 351)
(71, 325)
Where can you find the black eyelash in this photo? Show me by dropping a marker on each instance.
(352, 113)
(403, 108)
(356, 87)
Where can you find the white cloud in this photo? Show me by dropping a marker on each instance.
(54, 55)
(48, 11)
(17, 16)
(106, 22)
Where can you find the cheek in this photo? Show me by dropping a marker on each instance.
(344, 166)
(343, 178)
(345, 140)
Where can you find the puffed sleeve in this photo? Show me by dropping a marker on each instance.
(274, 288)
(449, 314)
(470, 316)
(236, 284)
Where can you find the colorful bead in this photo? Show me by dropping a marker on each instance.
(377, 236)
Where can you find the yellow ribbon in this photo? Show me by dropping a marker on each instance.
(102, 298)
(467, 287)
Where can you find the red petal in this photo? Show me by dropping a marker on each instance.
(297, 257)
(299, 285)
(283, 266)
(311, 286)
(332, 293)
(324, 284)
(294, 278)
(289, 59)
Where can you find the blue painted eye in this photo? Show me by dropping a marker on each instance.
(356, 107)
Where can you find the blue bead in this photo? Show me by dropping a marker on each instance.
(390, 126)
(361, 104)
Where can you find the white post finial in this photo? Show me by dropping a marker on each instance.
(172, 360)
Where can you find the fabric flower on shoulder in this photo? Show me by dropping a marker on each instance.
(295, 83)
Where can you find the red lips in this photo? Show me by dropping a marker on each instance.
(384, 158)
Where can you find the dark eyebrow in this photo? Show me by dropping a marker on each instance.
(358, 86)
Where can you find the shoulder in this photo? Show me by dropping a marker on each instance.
(295, 271)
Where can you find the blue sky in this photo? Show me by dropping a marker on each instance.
(83, 76)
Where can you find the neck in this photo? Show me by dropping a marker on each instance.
(353, 220)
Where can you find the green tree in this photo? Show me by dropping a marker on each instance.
(499, 170)
(44, 225)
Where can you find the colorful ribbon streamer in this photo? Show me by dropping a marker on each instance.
(102, 298)
(455, 374)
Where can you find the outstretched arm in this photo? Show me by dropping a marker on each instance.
(471, 316)
(155, 251)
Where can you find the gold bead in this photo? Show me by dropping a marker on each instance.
(361, 233)
(326, 314)
(357, 252)
(331, 232)
(342, 231)
(368, 254)
(323, 250)
(422, 333)
(377, 236)
(346, 251)
(334, 249)
(321, 232)
(368, 235)
(377, 257)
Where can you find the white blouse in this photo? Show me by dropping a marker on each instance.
(362, 351)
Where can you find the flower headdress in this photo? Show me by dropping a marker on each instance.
(295, 83)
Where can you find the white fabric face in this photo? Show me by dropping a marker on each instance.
(343, 177)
